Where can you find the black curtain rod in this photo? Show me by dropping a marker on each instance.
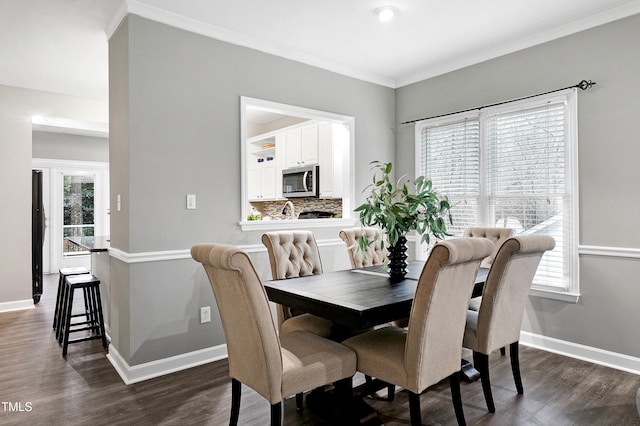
(584, 85)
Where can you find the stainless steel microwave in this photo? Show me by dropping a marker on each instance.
(300, 182)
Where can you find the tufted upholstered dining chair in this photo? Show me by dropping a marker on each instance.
(374, 255)
(274, 366)
(295, 254)
(429, 349)
(497, 323)
(497, 236)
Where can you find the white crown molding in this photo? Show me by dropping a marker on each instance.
(202, 28)
(524, 43)
(117, 19)
(208, 30)
(69, 126)
(16, 305)
(149, 370)
(585, 353)
(57, 163)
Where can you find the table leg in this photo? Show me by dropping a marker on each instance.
(331, 402)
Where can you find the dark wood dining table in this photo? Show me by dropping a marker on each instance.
(360, 298)
(355, 298)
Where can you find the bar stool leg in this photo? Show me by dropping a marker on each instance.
(100, 316)
(89, 310)
(64, 306)
(67, 322)
(93, 323)
(56, 313)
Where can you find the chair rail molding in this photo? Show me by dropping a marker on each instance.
(609, 251)
(156, 256)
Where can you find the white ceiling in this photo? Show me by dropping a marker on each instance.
(61, 45)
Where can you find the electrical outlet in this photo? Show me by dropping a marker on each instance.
(205, 314)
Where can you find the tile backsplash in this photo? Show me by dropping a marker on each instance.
(273, 209)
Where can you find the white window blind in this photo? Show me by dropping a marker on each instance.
(513, 166)
(526, 165)
(451, 159)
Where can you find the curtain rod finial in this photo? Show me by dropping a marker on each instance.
(584, 84)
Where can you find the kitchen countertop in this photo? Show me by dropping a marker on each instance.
(92, 244)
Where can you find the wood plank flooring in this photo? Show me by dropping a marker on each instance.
(38, 387)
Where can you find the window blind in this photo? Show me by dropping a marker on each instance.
(451, 159)
(526, 172)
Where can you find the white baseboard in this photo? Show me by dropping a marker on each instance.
(585, 353)
(149, 370)
(16, 305)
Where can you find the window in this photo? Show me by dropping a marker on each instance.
(513, 166)
(78, 209)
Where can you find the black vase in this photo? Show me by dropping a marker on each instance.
(397, 260)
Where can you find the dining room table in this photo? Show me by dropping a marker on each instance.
(361, 298)
(355, 298)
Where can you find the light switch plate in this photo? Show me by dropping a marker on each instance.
(191, 201)
(205, 314)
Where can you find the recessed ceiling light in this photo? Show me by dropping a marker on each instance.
(385, 13)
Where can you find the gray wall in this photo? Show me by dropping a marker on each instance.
(17, 106)
(175, 129)
(607, 315)
(63, 146)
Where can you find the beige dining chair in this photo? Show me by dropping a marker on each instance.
(373, 255)
(429, 349)
(497, 323)
(276, 367)
(497, 236)
(295, 254)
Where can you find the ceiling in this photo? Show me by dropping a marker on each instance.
(61, 45)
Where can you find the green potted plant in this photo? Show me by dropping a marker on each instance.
(399, 208)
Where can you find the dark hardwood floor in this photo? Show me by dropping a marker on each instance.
(38, 387)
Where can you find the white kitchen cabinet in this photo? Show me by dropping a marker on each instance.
(333, 141)
(261, 168)
(302, 146)
(261, 183)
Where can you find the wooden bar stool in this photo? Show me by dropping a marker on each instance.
(94, 323)
(64, 272)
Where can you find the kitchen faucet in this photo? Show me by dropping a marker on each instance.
(292, 210)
